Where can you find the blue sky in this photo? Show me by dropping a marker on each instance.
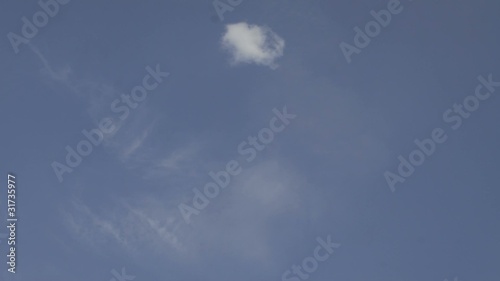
(322, 175)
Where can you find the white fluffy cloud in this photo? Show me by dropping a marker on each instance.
(252, 44)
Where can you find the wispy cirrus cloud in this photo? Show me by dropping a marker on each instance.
(61, 75)
(124, 226)
(130, 147)
(259, 197)
(176, 164)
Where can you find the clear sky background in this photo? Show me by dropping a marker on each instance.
(322, 175)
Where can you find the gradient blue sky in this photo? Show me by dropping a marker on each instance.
(323, 175)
